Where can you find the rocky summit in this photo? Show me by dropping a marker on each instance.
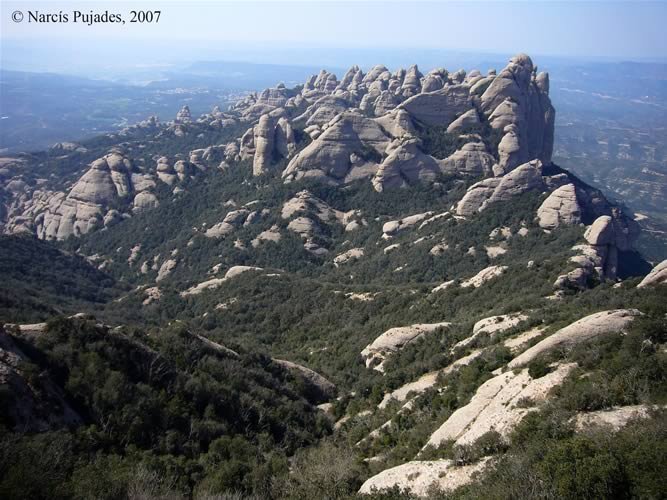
(379, 286)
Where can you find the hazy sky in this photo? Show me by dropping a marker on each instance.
(208, 29)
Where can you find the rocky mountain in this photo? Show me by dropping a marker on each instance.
(375, 285)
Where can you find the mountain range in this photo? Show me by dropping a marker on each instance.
(380, 285)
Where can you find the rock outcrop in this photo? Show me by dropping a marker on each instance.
(472, 159)
(184, 115)
(583, 330)
(423, 478)
(440, 107)
(264, 139)
(307, 214)
(496, 406)
(612, 418)
(393, 227)
(348, 149)
(211, 284)
(518, 96)
(492, 326)
(362, 127)
(657, 276)
(598, 259)
(395, 339)
(406, 164)
(483, 276)
(561, 208)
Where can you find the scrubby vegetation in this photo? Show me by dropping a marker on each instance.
(167, 415)
(160, 403)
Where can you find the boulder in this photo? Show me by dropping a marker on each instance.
(406, 165)
(165, 269)
(144, 201)
(601, 232)
(232, 220)
(560, 208)
(96, 186)
(305, 203)
(183, 115)
(524, 100)
(472, 159)
(397, 124)
(82, 209)
(607, 236)
(509, 151)
(271, 234)
(432, 82)
(304, 226)
(412, 82)
(285, 145)
(492, 326)
(384, 103)
(392, 227)
(232, 272)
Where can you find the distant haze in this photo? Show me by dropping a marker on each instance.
(331, 34)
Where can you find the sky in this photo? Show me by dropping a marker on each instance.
(304, 32)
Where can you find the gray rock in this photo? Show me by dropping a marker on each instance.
(184, 115)
(468, 119)
(527, 177)
(406, 164)
(328, 157)
(523, 100)
(285, 144)
(472, 159)
(432, 82)
(412, 82)
(144, 201)
(584, 330)
(440, 107)
(475, 197)
(560, 208)
(509, 150)
(264, 139)
(657, 276)
(397, 123)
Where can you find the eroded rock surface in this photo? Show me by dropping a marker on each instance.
(395, 339)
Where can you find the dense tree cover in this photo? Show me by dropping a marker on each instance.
(39, 281)
(164, 402)
(166, 415)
